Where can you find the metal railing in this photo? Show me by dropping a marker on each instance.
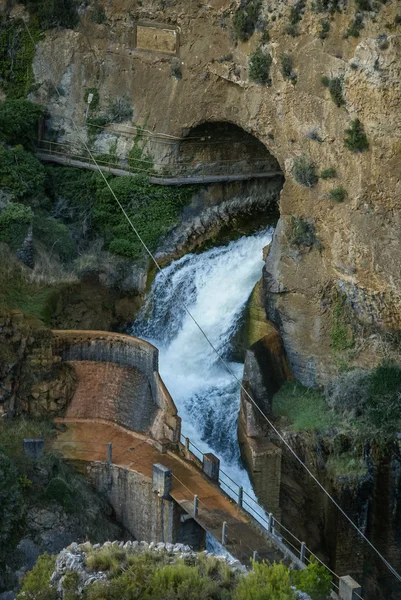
(163, 170)
(268, 522)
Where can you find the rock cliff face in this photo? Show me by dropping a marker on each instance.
(32, 380)
(192, 71)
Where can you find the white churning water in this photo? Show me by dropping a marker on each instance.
(215, 286)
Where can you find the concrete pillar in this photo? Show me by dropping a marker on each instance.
(162, 480)
(33, 448)
(211, 466)
(349, 588)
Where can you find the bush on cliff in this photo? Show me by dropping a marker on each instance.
(356, 139)
(259, 67)
(19, 120)
(245, 18)
(153, 210)
(22, 176)
(304, 171)
(15, 220)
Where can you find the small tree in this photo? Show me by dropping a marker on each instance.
(259, 67)
(356, 139)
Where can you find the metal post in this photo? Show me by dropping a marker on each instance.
(240, 496)
(196, 502)
(255, 556)
(302, 552)
(271, 523)
(109, 454)
(187, 443)
(224, 534)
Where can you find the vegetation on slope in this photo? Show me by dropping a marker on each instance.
(47, 483)
(158, 575)
(367, 403)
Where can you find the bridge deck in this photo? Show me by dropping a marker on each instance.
(191, 180)
(133, 451)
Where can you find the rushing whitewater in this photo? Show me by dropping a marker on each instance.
(215, 287)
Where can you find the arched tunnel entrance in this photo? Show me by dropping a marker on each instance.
(221, 147)
(222, 211)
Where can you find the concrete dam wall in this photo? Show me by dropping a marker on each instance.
(118, 381)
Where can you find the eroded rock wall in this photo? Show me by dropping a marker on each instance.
(207, 80)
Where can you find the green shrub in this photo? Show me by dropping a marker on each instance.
(259, 67)
(70, 586)
(325, 80)
(16, 56)
(304, 171)
(356, 139)
(22, 176)
(265, 582)
(355, 27)
(153, 209)
(59, 491)
(286, 67)
(54, 13)
(55, 236)
(330, 6)
(36, 583)
(363, 5)
(303, 233)
(324, 29)
(338, 194)
(245, 18)
(314, 580)
(19, 121)
(336, 91)
(99, 14)
(329, 173)
(15, 220)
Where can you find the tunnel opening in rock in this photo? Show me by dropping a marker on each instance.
(221, 147)
(243, 198)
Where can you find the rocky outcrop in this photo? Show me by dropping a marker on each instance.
(32, 380)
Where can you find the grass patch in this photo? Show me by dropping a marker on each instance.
(17, 292)
(338, 194)
(329, 173)
(304, 409)
(347, 464)
(341, 334)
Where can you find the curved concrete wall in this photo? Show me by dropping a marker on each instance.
(153, 412)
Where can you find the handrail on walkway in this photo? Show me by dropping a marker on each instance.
(33, 448)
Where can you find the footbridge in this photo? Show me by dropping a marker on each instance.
(176, 174)
(121, 429)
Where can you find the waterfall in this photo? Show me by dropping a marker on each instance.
(215, 286)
